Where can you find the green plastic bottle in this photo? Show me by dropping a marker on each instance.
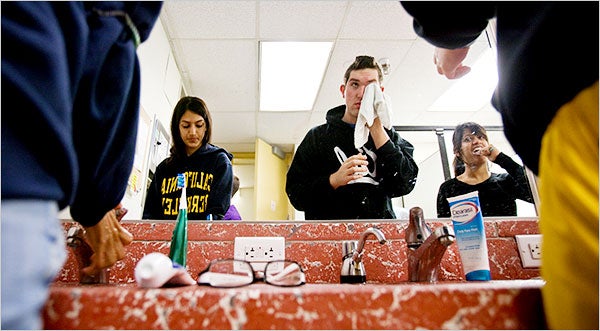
(179, 242)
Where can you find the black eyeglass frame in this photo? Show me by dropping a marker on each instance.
(255, 279)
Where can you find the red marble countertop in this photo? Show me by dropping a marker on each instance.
(497, 304)
(317, 246)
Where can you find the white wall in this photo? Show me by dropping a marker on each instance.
(161, 81)
(160, 91)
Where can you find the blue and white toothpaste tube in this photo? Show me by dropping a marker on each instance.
(467, 220)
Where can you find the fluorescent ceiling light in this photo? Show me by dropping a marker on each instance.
(291, 73)
(472, 91)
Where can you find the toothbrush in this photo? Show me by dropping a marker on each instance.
(178, 251)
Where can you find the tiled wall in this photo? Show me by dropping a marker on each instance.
(317, 246)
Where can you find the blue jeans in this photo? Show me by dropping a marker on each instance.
(33, 252)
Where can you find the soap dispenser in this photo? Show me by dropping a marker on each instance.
(353, 269)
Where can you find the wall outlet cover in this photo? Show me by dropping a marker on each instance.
(529, 246)
(259, 250)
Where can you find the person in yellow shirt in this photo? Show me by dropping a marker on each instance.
(548, 96)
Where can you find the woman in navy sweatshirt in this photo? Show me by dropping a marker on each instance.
(207, 168)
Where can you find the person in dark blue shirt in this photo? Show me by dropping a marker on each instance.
(70, 99)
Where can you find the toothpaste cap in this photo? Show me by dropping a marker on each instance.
(156, 269)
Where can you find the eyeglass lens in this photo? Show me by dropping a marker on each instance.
(234, 273)
(284, 273)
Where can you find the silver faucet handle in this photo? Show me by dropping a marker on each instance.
(445, 234)
(418, 231)
(348, 248)
(74, 236)
(370, 231)
(83, 252)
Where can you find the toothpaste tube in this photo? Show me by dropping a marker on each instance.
(467, 220)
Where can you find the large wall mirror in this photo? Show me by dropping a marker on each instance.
(216, 50)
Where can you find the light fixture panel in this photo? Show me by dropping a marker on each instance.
(291, 74)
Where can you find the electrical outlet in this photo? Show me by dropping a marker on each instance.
(529, 246)
(259, 250)
(535, 250)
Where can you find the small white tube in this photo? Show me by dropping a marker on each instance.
(467, 220)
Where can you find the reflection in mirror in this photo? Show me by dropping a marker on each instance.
(183, 51)
(429, 155)
(434, 162)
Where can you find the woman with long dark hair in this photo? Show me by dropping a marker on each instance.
(207, 168)
(497, 192)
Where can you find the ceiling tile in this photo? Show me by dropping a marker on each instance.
(282, 128)
(210, 19)
(233, 127)
(300, 20)
(377, 20)
(224, 72)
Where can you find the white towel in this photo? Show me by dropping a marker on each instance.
(374, 104)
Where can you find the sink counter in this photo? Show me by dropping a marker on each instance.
(500, 304)
(511, 301)
(317, 246)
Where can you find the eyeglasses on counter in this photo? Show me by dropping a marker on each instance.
(227, 273)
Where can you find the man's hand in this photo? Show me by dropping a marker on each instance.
(108, 240)
(353, 168)
(449, 62)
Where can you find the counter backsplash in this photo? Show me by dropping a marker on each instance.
(317, 246)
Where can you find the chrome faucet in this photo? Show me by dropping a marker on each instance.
(83, 253)
(425, 248)
(353, 269)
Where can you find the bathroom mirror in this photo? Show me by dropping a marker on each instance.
(213, 50)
